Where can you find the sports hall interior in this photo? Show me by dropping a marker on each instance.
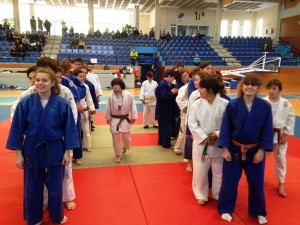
(151, 186)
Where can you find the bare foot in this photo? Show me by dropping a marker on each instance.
(189, 167)
(78, 162)
(88, 149)
(200, 202)
(281, 190)
(45, 207)
(117, 159)
(39, 223)
(177, 152)
(70, 205)
(124, 150)
(65, 219)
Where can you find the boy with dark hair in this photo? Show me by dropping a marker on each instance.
(283, 125)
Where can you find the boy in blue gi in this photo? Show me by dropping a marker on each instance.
(47, 123)
(165, 110)
(246, 133)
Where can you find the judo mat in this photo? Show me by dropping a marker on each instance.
(153, 194)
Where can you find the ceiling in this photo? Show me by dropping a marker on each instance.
(146, 6)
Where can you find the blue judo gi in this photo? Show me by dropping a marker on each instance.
(246, 128)
(43, 135)
(165, 112)
(78, 90)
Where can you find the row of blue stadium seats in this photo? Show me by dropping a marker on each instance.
(196, 49)
(190, 63)
(270, 54)
(9, 59)
(185, 45)
(87, 51)
(190, 53)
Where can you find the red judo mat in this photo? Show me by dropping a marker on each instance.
(155, 194)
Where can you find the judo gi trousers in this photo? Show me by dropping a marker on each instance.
(149, 109)
(180, 142)
(77, 152)
(280, 161)
(125, 136)
(232, 172)
(34, 182)
(165, 131)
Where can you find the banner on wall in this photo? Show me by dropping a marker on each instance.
(180, 17)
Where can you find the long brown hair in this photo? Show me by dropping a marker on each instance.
(55, 89)
(252, 79)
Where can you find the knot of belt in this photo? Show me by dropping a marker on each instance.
(121, 117)
(244, 148)
(204, 153)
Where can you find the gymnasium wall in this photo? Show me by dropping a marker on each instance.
(290, 30)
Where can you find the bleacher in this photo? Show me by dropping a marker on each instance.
(106, 50)
(185, 48)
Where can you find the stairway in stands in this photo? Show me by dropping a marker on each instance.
(51, 49)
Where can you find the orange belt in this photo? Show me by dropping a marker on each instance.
(244, 148)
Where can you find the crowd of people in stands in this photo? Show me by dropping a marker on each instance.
(23, 43)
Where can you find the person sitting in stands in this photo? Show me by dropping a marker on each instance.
(26, 42)
(81, 44)
(71, 31)
(168, 36)
(98, 33)
(163, 35)
(74, 43)
(16, 36)
(118, 34)
(13, 50)
(41, 39)
(124, 34)
(38, 46)
(196, 60)
(151, 33)
(136, 32)
(22, 50)
(141, 33)
(9, 36)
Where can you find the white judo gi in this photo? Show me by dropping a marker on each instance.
(120, 106)
(148, 95)
(182, 102)
(284, 120)
(203, 120)
(68, 184)
(88, 105)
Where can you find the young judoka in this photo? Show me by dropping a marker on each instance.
(88, 109)
(283, 125)
(246, 133)
(147, 96)
(121, 113)
(204, 120)
(42, 133)
(165, 111)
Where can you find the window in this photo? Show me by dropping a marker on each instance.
(235, 28)
(260, 27)
(224, 28)
(246, 28)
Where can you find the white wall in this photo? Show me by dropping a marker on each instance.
(270, 17)
(144, 23)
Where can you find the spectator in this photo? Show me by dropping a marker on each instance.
(74, 43)
(136, 32)
(38, 46)
(81, 44)
(33, 24)
(16, 36)
(41, 39)
(22, 50)
(26, 42)
(113, 34)
(9, 36)
(163, 35)
(133, 56)
(48, 25)
(98, 33)
(141, 33)
(13, 50)
(64, 27)
(168, 36)
(118, 34)
(40, 24)
(151, 33)
(124, 34)
(71, 31)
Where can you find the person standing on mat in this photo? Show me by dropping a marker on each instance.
(165, 110)
(205, 118)
(121, 113)
(283, 125)
(147, 96)
(42, 134)
(246, 134)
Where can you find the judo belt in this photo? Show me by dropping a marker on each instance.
(45, 149)
(150, 97)
(121, 117)
(83, 114)
(244, 148)
(204, 153)
(278, 131)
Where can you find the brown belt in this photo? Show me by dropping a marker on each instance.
(121, 117)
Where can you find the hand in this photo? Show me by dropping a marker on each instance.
(226, 154)
(184, 109)
(19, 161)
(79, 108)
(143, 101)
(259, 156)
(132, 121)
(108, 121)
(283, 138)
(189, 136)
(66, 158)
(212, 139)
(93, 112)
(174, 91)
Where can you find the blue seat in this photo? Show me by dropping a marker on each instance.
(99, 52)
(69, 50)
(63, 46)
(99, 47)
(75, 50)
(81, 51)
(88, 51)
